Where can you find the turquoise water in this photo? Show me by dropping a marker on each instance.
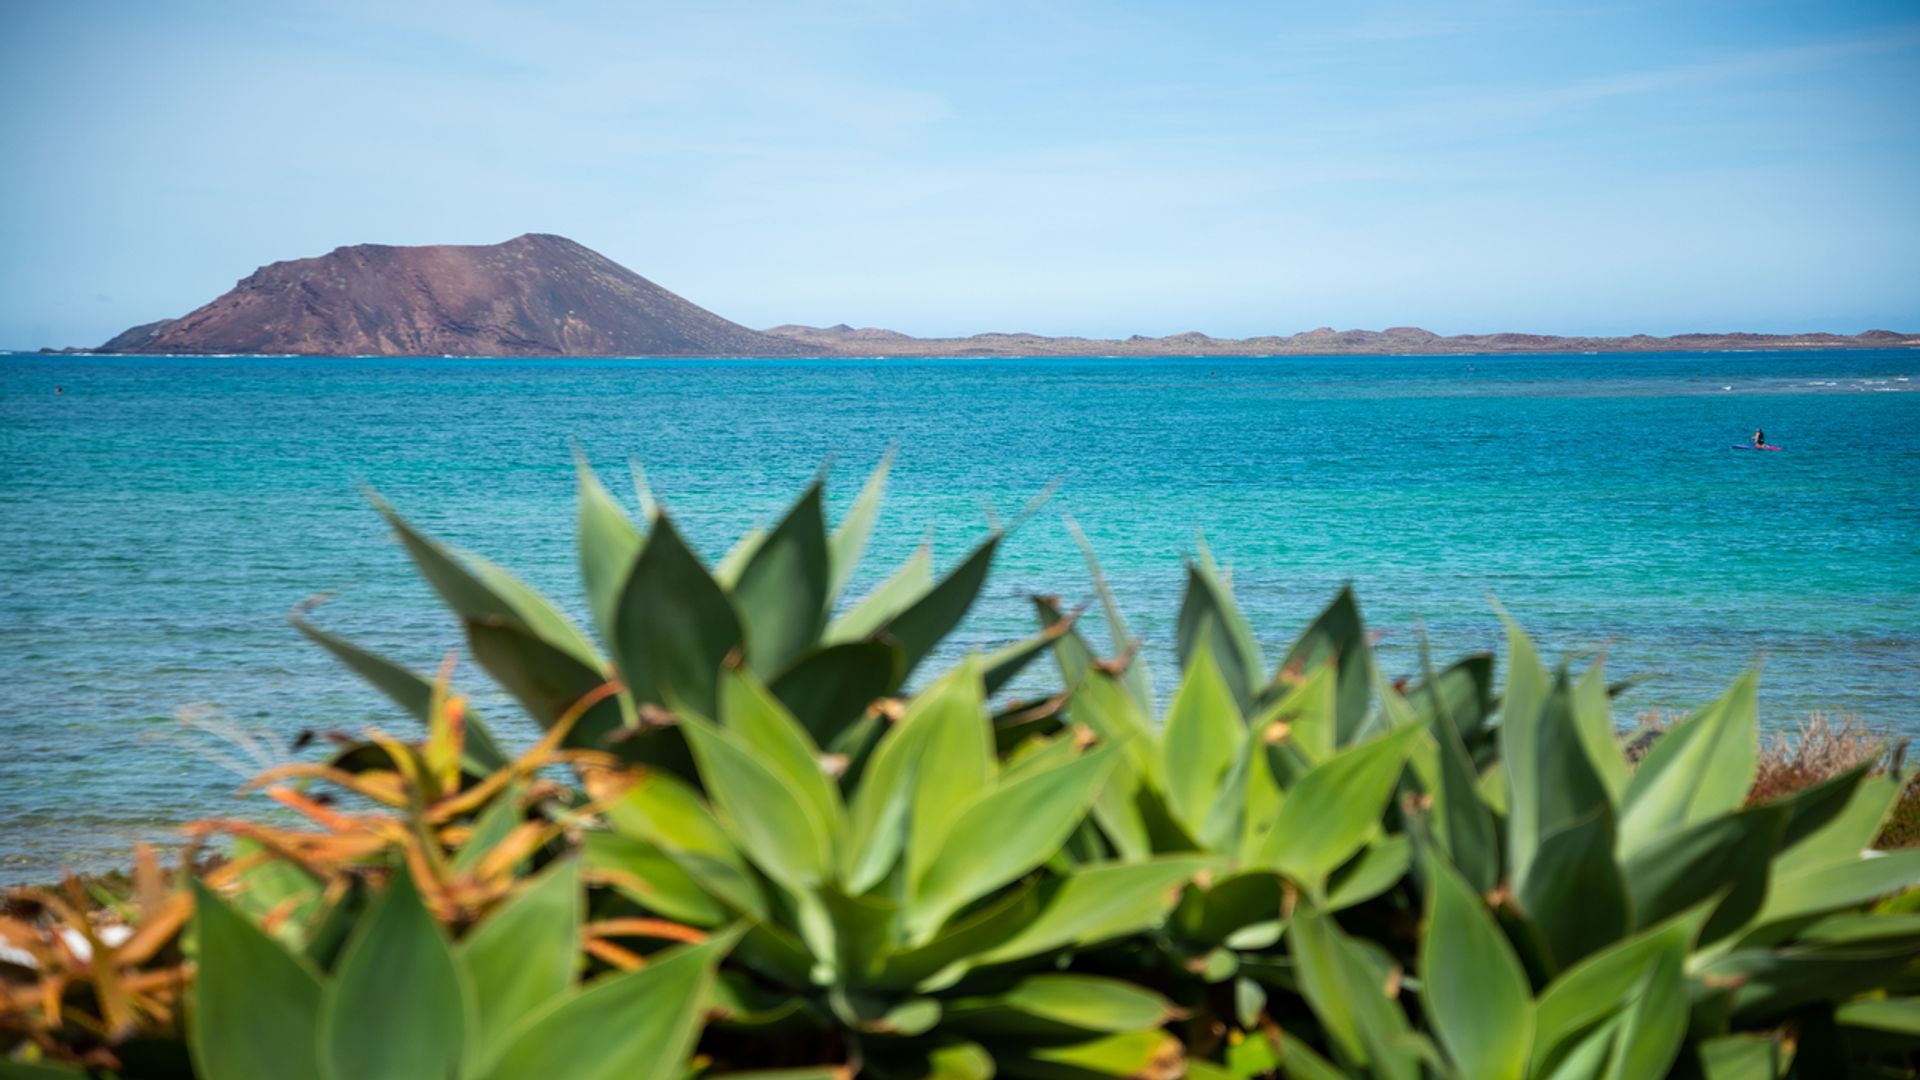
(160, 516)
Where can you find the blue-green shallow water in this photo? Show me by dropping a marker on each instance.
(159, 517)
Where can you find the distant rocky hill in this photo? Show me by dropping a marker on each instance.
(845, 340)
(541, 295)
(536, 295)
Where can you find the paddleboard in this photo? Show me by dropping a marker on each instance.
(1750, 446)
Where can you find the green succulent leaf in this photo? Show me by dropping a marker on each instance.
(1097, 903)
(927, 621)
(1338, 637)
(609, 543)
(765, 727)
(636, 1025)
(1336, 806)
(1701, 768)
(829, 688)
(409, 690)
(674, 625)
(398, 1003)
(1475, 991)
(889, 598)
(523, 955)
(656, 880)
(850, 537)
(1638, 976)
(1208, 614)
(1576, 895)
(1005, 833)
(1553, 782)
(547, 681)
(1687, 866)
(1204, 733)
(1345, 987)
(1056, 1006)
(253, 1003)
(778, 828)
(666, 813)
(783, 590)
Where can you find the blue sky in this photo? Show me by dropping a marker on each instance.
(941, 168)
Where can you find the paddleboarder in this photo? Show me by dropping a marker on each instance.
(1759, 438)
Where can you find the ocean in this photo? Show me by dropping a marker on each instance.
(160, 516)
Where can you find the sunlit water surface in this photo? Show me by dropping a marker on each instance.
(159, 517)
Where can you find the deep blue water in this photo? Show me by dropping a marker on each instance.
(160, 516)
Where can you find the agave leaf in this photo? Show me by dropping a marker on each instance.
(1133, 1053)
(1475, 991)
(1377, 868)
(889, 598)
(1774, 982)
(1332, 810)
(523, 955)
(1575, 894)
(782, 594)
(546, 680)
(1097, 903)
(1102, 703)
(946, 724)
(1593, 721)
(1308, 713)
(609, 544)
(1465, 823)
(999, 667)
(927, 621)
(1072, 654)
(1338, 637)
(253, 1003)
(636, 1025)
(1520, 706)
(667, 813)
(536, 611)
(1844, 835)
(961, 940)
(655, 880)
(1059, 1007)
(1627, 976)
(1685, 867)
(1551, 754)
(728, 570)
(863, 932)
(1701, 768)
(1743, 1057)
(1461, 695)
(409, 690)
(1797, 894)
(777, 741)
(1002, 834)
(477, 589)
(397, 1005)
(1208, 614)
(1893, 1015)
(1346, 990)
(850, 536)
(674, 625)
(778, 828)
(829, 688)
(1203, 734)
(1138, 679)
(1210, 913)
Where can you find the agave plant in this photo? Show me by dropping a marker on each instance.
(1437, 882)
(897, 917)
